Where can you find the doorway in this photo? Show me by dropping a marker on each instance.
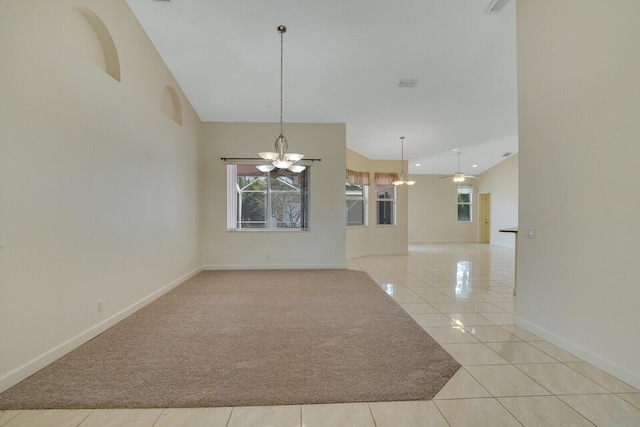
(485, 217)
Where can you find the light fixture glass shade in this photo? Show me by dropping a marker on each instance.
(458, 177)
(293, 157)
(396, 183)
(265, 168)
(410, 182)
(269, 155)
(296, 168)
(282, 164)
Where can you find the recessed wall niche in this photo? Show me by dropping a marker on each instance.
(171, 104)
(88, 37)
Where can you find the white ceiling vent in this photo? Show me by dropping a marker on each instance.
(495, 7)
(408, 83)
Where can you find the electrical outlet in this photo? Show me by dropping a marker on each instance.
(100, 306)
(268, 257)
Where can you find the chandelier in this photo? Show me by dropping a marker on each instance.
(403, 176)
(280, 158)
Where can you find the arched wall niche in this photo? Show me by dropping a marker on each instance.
(171, 104)
(86, 34)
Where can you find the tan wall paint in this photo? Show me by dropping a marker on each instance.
(502, 182)
(578, 102)
(375, 239)
(321, 247)
(432, 207)
(99, 190)
(433, 214)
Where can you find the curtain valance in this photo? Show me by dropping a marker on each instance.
(386, 178)
(357, 178)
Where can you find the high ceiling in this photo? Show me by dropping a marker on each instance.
(343, 60)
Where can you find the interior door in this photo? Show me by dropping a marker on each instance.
(485, 217)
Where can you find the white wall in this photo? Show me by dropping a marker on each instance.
(378, 239)
(501, 181)
(579, 133)
(433, 211)
(99, 190)
(323, 246)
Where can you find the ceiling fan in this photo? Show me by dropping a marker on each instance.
(459, 176)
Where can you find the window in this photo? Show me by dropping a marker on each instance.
(356, 210)
(386, 204)
(275, 200)
(356, 191)
(464, 204)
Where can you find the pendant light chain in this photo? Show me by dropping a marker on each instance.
(280, 158)
(402, 174)
(402, 179)
(281, 72)
(402, 155)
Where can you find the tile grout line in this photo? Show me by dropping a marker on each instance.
(229, 419)
(85, 418)
(438, 409)
(375, 424)
(158, 417)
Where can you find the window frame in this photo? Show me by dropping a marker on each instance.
(385, 200)
(460, 204)
(360, 198)
(271, 222)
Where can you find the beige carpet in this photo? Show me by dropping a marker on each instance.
(237, 338)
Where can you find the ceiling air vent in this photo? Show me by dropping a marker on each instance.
(408, 83)
(506, 154)
(495, 7)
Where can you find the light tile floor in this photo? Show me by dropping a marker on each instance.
(462, 294)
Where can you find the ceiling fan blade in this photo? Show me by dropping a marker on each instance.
(471, 176)
(445, 177)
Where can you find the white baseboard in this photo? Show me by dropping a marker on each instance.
(503, 245)
(597, 360)
(274, 267)
(376, 253)
(29, 368)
